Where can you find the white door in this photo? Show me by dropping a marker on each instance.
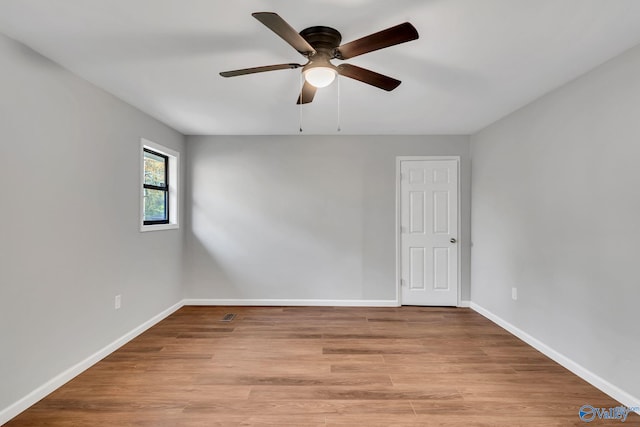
(429, 232)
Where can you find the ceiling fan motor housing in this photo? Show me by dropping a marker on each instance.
(322, 38)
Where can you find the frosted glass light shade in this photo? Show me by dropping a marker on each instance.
(320, 76)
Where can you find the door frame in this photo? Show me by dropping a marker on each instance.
(399, 160)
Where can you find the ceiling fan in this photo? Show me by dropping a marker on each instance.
(320, 45)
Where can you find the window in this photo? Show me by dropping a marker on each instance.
(156, 188)
(159, 197)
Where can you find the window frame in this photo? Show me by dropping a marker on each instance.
(172, 172)
(164, 188)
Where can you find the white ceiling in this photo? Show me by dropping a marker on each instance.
(475, 61)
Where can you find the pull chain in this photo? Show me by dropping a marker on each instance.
(301, 92)
(338, 78)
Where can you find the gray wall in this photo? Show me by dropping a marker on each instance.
(556, 213)
(69, 233)
(302, 217)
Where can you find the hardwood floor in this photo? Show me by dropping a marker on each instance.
(322, 366)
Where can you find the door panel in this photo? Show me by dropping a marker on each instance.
(441, 268)
(429, 228)
(441, 212)
(416, 208)
(417, 277)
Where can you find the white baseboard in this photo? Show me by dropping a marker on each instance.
(464, 304)
(593, 379)
(295, 302)
(59, 380)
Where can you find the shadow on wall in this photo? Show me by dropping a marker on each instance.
(274, 226)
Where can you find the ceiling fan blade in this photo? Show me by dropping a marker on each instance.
(307, 93)
(259, 69)
(275, 23)
(390, 37)
(368, 76)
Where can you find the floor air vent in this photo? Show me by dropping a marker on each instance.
(228, 317)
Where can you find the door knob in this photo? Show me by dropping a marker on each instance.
(453, 240)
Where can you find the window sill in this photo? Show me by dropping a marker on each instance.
(158, 227)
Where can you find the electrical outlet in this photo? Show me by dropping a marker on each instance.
(118, 302)
(514, 293)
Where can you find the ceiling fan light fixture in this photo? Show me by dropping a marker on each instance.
(320, 76)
